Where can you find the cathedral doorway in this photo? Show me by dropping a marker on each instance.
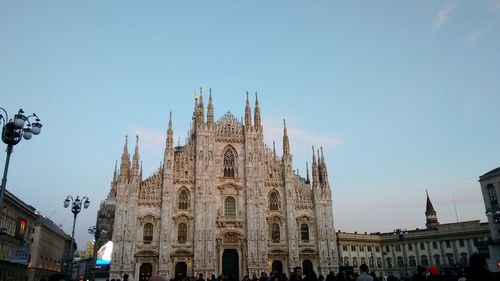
(180, 270)
(145, 271)
(307, 267)
(277, 267)
(230, 262)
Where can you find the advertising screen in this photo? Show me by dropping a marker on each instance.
(104, 254)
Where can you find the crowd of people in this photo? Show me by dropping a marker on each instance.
(477, 271)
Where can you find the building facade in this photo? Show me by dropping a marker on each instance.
(223, 203)
(17, 220)
(490, 188)
(447, 246)
(50, 249)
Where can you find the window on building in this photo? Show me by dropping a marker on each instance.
(410, 247)
(182, 233)
(229, 164)
(274, 201)
(355, 262)
(346, 261)
(461, 243)
(451, 259)
(370, 262)
(389, 262)
(424, 261)
(304, 232)
(377, 249)
(422, 246)
(448, 243)
(464, 260)
(230, 207)
(398, 248)
(275, 232)
(387, 249)
(353, 248)
(363, 260)
(379, 262)
(437, 260)
(369, 248)
(344, 248)
(400, 262)
(361, 248)
(148, 233)
(184, 200)
(493, 196)
(412, 261)
(434, 244)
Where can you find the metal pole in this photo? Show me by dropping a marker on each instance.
(70, 273)
(9, 150)
(94, 255)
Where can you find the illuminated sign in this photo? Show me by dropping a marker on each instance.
(104, 254)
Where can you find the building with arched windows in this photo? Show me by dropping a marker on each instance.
(223, 203)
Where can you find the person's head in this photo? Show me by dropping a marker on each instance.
(363, 268)
(297, 270)
(200, 275)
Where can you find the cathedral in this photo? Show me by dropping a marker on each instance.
(223, 203)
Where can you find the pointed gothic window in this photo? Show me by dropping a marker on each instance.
(276, 232)
(229, 164)
(184, 200)
(230, 207)
(493, 197)
(304, 232)
(148, 233)
(274, 201)
(182, 233)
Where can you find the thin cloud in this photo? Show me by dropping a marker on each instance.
(493, 5)
(299, 138)
(443, 15)
(476, 37)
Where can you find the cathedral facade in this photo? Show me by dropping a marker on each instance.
(223, 203)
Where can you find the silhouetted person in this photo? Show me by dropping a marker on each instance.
(364, 274)
(477, 269)
(56, 277)
(420, 275)
(296, 274)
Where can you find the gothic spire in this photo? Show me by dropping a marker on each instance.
(115, 173)
(430, 214)
(210, 109)
(195, 110)
(135, 165)
(256, 120)
(307, 173)
(125, 163)
(286, 143)
(170, 133)
(201, 111)
(248, 114)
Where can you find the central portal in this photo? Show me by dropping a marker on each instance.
(230, 264)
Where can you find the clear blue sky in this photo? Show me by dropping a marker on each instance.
(403, 95)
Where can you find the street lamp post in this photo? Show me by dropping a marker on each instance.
(401, 233)
(97, 233)
(76, 207)
(13, 130)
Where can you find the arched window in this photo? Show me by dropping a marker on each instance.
(493, 197)
(229, 164)
(389, 262)
(424, 261)
(437, 260)
(412, 261)
(184, 200)
(400, 261)
(363, 260)
(355, 262)
(182, 233)
(304, 232)
(148, 233)
(346, 261)
(379, 262)
(230, 207)
(463, 258)
(274, 201)
(276, 232)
